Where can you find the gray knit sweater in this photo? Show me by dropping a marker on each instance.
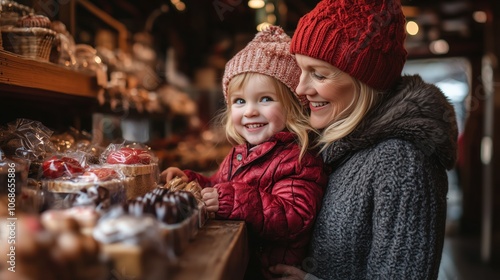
(384, 209)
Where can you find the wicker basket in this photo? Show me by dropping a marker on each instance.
(32, 42)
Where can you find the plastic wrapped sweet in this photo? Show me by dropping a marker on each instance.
(127, 155)
(75, 141)
(137, 163)
(63, 141)
(98, 186)
(15, 184)
(62, 166)
(29, 140)
(96, 196)
(177, 184)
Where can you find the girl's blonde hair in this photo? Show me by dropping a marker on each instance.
(364, 99)
(297, 120)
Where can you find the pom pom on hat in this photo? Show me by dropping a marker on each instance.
(269, 54)
(364, 38)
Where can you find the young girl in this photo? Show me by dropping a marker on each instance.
(270, 179)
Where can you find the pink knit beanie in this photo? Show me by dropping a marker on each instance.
(364, 38)
(269, 54)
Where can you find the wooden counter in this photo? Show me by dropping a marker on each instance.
(218, 252)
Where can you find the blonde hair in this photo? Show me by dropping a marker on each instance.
(297, 120)
(364, 99)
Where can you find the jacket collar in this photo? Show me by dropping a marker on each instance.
(413, 111)
(250, 153)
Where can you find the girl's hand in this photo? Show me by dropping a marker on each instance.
(210, 197)
(288, 272)
(172, 172)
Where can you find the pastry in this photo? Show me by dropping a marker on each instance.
(33, 21)
(194, 188)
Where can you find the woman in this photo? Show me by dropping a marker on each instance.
(390, 140)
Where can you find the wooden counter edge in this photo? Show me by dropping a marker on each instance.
(219, 251)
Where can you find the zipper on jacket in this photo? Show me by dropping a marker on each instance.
(230, 166)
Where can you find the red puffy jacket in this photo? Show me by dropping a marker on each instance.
(275, 194)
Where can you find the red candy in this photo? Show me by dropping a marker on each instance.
(56, 167)
(129, 156)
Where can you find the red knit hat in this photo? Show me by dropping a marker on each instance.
(364, 38)
(269, 54)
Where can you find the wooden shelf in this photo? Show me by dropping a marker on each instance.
(19, 74)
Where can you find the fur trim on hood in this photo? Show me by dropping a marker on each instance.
(413, 111)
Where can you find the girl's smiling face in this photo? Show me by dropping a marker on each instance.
(328, 90)
(256, 111)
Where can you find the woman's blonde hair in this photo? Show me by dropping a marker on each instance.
(364, 99)
(297, 120)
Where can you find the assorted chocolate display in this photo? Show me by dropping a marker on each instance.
(101, 207)
(167, 206)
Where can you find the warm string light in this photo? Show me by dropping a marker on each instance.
(256, 4)
(480, 16)
(412, 28)
(262, 26)
(439, 47)
(178, 4)
(266, 13)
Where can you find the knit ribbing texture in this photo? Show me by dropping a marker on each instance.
(268, 53)
(362, 38)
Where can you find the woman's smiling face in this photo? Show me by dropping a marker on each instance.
(328, 90)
